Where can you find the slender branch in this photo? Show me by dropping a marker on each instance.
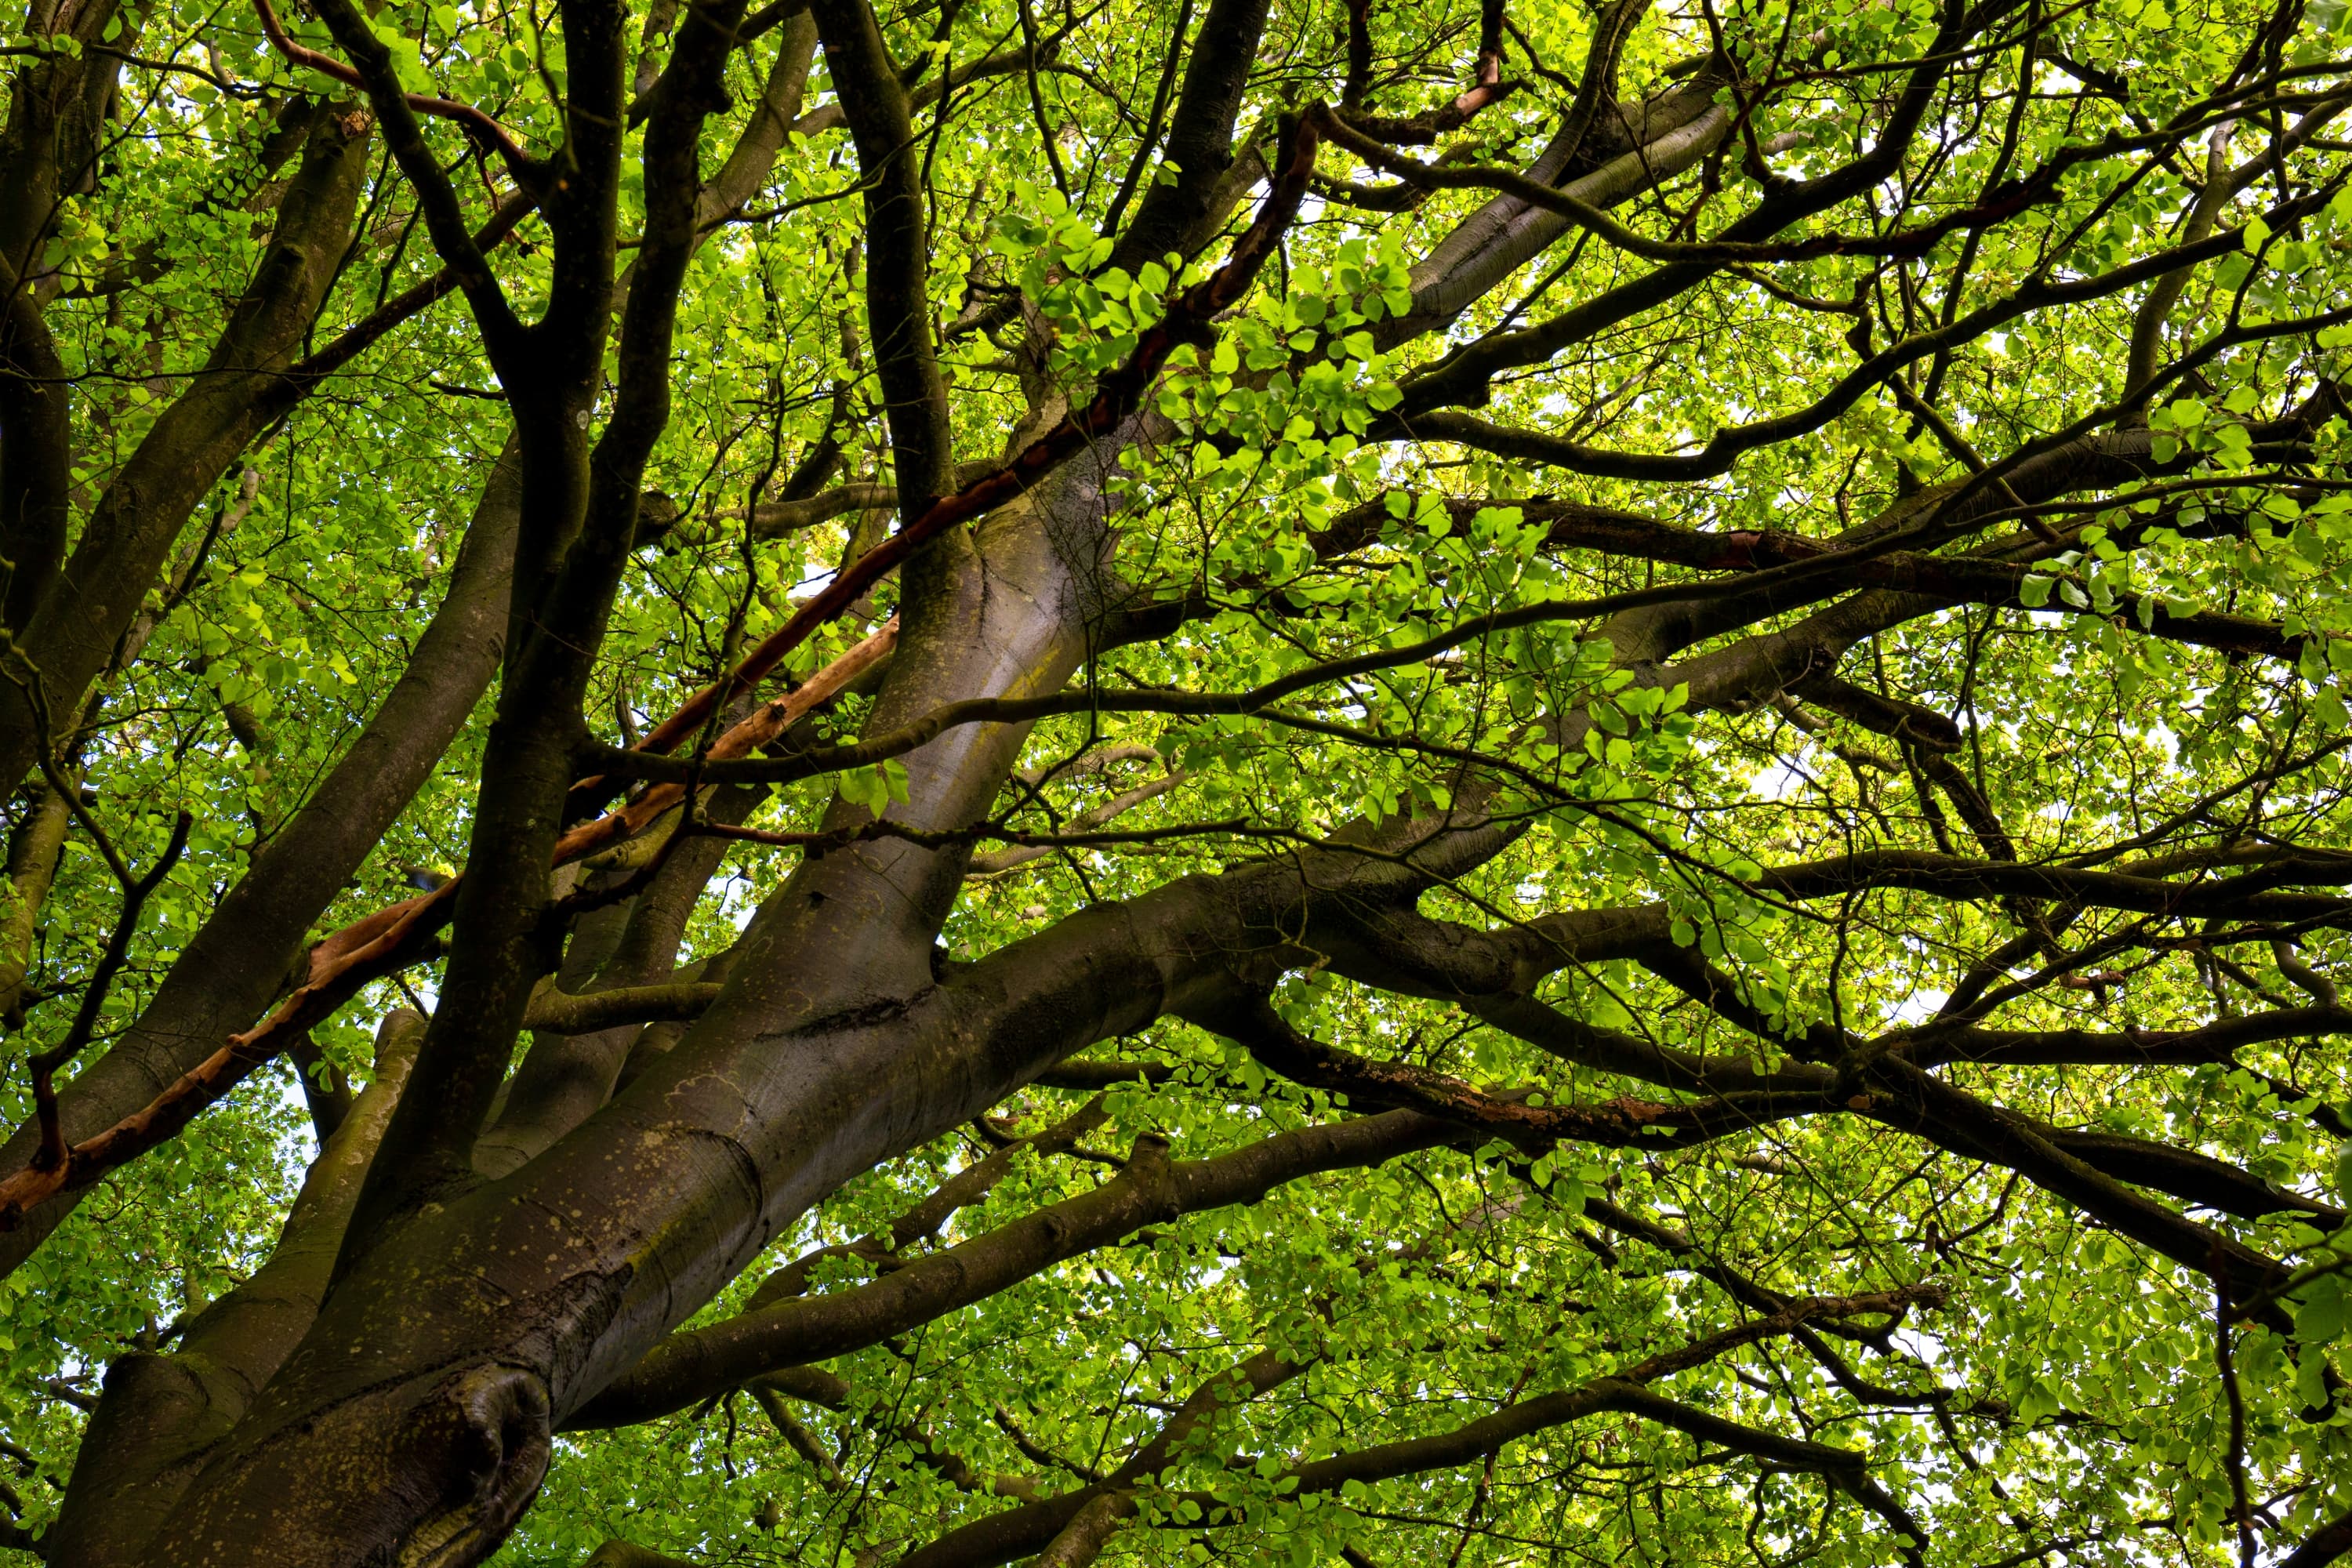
(1191, 319)
(1004, 1537)
(53, 1155)
(481, 127)
(695, 1364)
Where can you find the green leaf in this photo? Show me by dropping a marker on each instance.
(2320, 1315)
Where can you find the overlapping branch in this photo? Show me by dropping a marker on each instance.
(478, 125)
(1031, 1527)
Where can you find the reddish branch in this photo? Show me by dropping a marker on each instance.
(386, 940)
(476, 124)
(401, 934)
(383, 943)
(1191, 319)
(764, 725)
(1487, 87)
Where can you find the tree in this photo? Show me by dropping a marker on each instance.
(1176, 782)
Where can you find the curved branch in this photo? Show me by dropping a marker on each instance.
(562, 1013)
(481, 127)
(695, 1364)
(1004, 1537)
(1191, 319)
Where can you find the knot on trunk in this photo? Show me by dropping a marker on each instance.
(490, 1428)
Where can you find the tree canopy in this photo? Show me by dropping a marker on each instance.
(1151, 782)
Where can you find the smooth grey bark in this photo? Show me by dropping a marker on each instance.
(1681, 127)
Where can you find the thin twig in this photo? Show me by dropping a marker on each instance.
(44, 1064)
